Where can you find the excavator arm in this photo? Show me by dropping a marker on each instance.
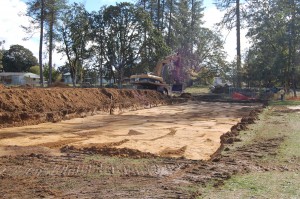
(174, 64)
(155, 81)
(158, 70)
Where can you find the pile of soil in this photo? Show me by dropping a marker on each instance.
(26, 106)
(294, 98)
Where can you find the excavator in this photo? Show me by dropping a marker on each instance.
(155, 81)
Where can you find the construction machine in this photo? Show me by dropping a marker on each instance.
(155, 81)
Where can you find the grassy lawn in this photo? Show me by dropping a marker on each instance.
(197, 90)
(274, 184)
(286, 103)
(282, 178)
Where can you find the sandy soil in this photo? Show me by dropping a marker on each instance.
(71, 158)
(191, 130)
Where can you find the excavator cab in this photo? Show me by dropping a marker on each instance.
(177, 88)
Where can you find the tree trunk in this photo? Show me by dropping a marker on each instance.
(170, 24)
(238, 43)
(73, 74)
(51, 46)
(293, 50)
(101, 73)
(158, 14)
(41, 45)
(162, 15)
(192, 25)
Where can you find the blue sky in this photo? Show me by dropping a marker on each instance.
(11, 19)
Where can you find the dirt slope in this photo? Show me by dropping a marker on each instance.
(25, 106)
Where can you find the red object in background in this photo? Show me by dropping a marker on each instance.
(239, 96)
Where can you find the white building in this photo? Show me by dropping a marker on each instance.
(19, 78)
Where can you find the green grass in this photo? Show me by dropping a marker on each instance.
(273, 184)
(197, 90)
(283, 177)
(284, 103)
(290, 148)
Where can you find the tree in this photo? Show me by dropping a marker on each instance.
(18, 59)
(129, 31)
(274, 31)
(74, 35)
(180, 24)
(209, 53)
(34, 69)
(56, 75)
(233, 15)
(36, 11)
(44, 14)
(53, 10)
(100, 42)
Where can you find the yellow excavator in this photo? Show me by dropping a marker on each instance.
(155, 81)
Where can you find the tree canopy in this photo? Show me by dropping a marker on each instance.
(124, 39)
(18, 59)
(273, 28)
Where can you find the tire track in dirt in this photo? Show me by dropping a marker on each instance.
(76, 166)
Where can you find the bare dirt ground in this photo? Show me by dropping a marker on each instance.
(191, 130)
(150, 153)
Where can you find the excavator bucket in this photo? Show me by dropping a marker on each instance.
(177, 87)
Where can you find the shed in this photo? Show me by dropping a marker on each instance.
(19, 78)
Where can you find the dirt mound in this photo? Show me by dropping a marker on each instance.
(290, 99)
(109, 151)
(20, 106)
(2, 86)
(231, 136)
(134, 132)
(173, 152)
(186, 95)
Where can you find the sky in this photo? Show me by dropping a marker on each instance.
(11, 19)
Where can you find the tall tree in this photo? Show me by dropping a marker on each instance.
(75, 35)
(42, 18)
(100, 41)
(53, 11)
(129, 31)
(274, 30)
(233, 16)
(292, 42)
(36, 11)
(183, 33)
(187, 29)
(170, 5)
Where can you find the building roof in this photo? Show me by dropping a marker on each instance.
(29, 75)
